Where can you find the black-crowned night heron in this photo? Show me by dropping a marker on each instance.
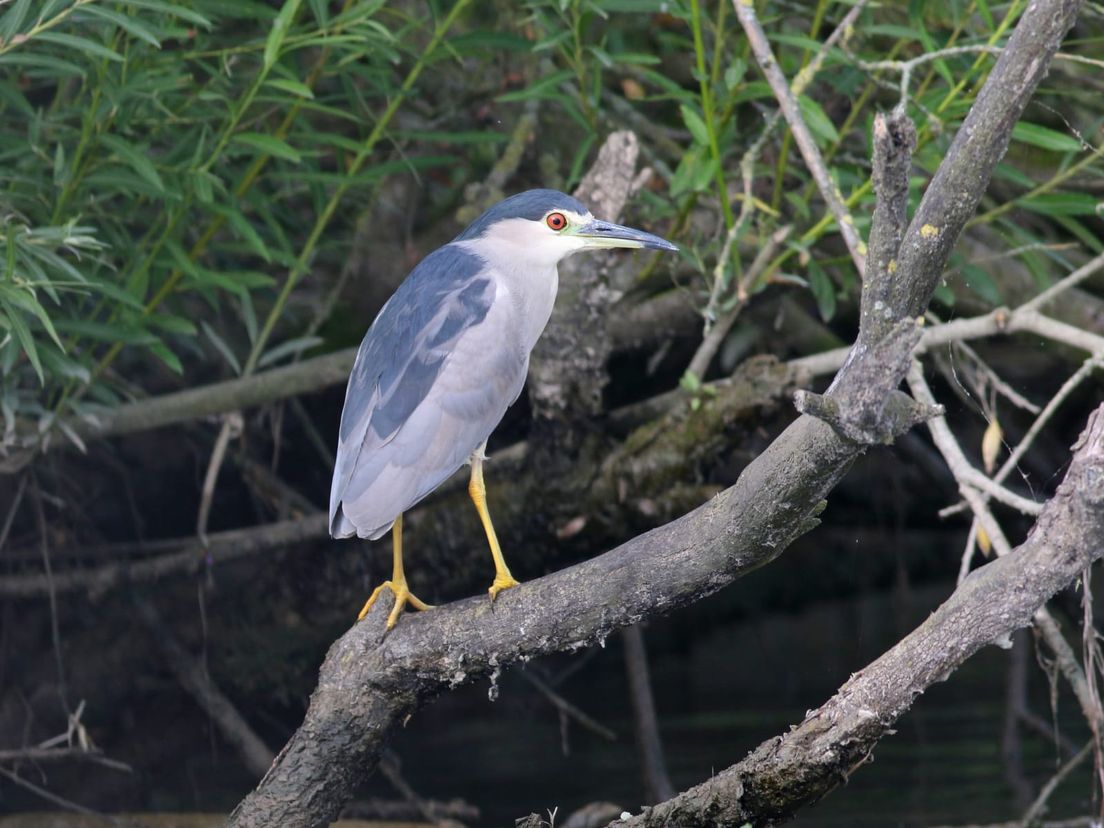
(445, 358)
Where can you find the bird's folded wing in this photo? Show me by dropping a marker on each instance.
(416, 398)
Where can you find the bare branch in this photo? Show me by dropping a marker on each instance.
(787, 101)
(254, 754)
(67, 754)
(963, 176)
(834, 740)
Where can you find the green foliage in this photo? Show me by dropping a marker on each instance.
(158, 161)
(173, 174)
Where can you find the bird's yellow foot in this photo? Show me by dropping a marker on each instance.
(403, 596)
(503, 580)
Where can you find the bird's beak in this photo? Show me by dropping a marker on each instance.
(598, 234)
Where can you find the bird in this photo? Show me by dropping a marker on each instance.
(445, 357)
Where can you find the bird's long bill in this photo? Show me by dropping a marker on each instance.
(606, 234)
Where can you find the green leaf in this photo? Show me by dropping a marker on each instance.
(944, 295)
(128, 23)
(986, 15)
(201, 186)
(694, 172)
(295, 87)
(23, 334)
(55, 65)
(1044, 138)
(1062, 204)
(279, 31)
(695, 124)
(25, 300)
(269, 144)
(61, 366)
(222, 347)
(981, 283)
(137, 161)
(820, 283)
(1091, 240)
(12, 21)
(172, 324)
(245, 230)
(113, 292)
(581, 152)
(80, 44)
(173, 10)
(103, 332)
(161, 351)
(690, 382)
(817, 120)
(286, 349)
(916, 18)
(543, 88)
(735, 73)
(1006, 172)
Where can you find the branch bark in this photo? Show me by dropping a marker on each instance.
(833, 741)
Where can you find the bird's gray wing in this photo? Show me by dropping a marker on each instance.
(409, 379)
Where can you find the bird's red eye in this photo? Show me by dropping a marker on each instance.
(557, 221)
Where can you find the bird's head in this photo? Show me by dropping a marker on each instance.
(545, 226)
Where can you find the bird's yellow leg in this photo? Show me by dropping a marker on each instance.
(478, 491)
(397, 584)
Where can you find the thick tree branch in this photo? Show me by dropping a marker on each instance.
(978, 146)
(803, 765)
(669, 443)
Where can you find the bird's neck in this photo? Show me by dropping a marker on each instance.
(528, 285)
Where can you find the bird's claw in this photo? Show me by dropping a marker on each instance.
(502, 581)
(403, 596)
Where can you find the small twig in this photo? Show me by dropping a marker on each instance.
(1094, 663)
(49, 796)
(1048, 628)
(994, 380)
(567, 708)
(318, 443)
(224, 546)
(906, 67)
(1072, 280)
(41, 754)
(716, 334)
(1087, 367)
(55, 629)
(968, 474)
(761, 48)
(232, 425)
(1032, 814)
(13, 510)
(391, 768)
(1066, 659)
(255, 755)
(1047, 731)
(1015, 700)
(657, 782)
(398, 810)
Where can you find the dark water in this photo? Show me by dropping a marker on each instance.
(718, 697)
